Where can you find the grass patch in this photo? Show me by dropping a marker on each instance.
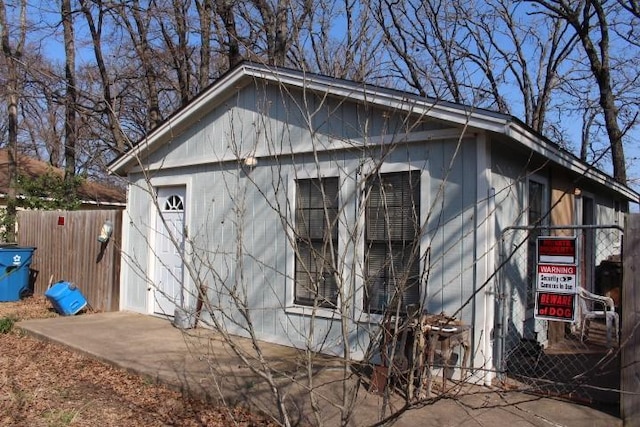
(6, 324)
(61, 418)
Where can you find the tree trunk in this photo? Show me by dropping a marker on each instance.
(579, 16)
(205, 12)
(12, 56)
(70, 98)
(119, 138)
(140, 38)
(179, 50)
(225, 12)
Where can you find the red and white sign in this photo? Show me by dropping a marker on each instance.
(557, 278)
(557, 250)
(554, 306)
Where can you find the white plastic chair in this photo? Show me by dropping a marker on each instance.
(593, 306)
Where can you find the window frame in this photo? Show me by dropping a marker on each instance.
(310, 241)
(532, 243)
(362, 315)
(300, 173)
(388, 245)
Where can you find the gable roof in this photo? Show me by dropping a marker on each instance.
(246, 73)
(90, 192)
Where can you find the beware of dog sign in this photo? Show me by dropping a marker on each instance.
(555, 306)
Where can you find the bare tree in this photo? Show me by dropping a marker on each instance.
(427, 43)
(138, 32)
(532, 53)
(70, 127)
(41, 112)
(476, 55)
(590, 21)
(176, 39)
(228, 34)
(12, 53)
(265, 31)
(341, 40)
(107, 99)
(276, 27)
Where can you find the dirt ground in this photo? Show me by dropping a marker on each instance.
(43, 384)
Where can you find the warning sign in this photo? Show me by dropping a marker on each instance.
(557, 278)
(557, 250)
(555, 306)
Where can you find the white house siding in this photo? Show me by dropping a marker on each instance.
(452, 226)
(229, 203)
(135, 266)
(509, 180)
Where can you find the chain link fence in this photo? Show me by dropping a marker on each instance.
(570, 359)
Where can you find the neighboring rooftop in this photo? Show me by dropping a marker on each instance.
(90, 192)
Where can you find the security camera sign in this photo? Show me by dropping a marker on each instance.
(557, 278)
(556, 284)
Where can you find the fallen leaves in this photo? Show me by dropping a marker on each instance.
(44, 384)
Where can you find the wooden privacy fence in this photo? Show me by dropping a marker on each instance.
(68, 249)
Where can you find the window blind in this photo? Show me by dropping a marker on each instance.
(392, 230)
(316, 241)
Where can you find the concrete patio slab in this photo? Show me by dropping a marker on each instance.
(201, 363)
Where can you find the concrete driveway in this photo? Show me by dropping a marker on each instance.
(199, 362)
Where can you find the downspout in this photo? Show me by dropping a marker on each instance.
(490, 295)
(499, 331)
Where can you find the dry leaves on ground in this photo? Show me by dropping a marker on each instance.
(44, 384)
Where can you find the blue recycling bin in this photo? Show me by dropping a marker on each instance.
(14, 271)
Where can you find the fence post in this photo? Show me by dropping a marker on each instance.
(630, 339)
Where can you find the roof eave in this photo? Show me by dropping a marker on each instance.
(177, 122)
(465, 116)
(519, 132)
(244, 73)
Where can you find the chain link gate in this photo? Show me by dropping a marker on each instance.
(553, 357)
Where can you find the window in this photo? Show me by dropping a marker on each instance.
(537, 217)
(173, 203)
(392, 231)
(316, 241)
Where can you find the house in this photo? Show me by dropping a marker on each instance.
(92, 195)
(305, 205)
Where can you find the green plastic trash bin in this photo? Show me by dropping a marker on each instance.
(14, 271)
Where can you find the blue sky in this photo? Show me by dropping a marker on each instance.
(48, 38)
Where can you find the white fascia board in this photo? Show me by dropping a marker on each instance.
(565, 159)
(178, 122)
